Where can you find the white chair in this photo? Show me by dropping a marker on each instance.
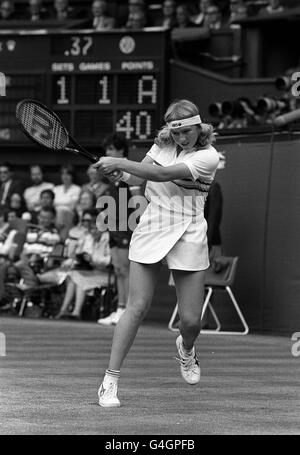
(218, 278)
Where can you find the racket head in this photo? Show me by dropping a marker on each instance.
(41, 125)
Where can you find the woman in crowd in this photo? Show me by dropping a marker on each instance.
(92, 258)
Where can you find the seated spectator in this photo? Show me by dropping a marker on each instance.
(7, 11)
(4, 225)
(17, 204)
(136, 20)
(46, 201)
(8, 185)
(183, 16)
(39, 244)
(213, 18)
(86, 201)
(100, 20)
(76, 237)
(41, 238)
(6, 245)
(62, 11)
(168, 19)
(98, 184)
(137, 15)
(80, 229)
(66, 194)
(91, 272)
(199, 18)
(238, 10)
(273, 7)
(36, 11)
(32, 193)
(7, 236)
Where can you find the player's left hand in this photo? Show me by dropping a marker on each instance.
(107, 165)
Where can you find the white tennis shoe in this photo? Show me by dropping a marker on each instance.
(117, 315)
(189, 364)
(107, 394)
(113, 318)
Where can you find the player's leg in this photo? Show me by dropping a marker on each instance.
(142, 281)
(190, 295)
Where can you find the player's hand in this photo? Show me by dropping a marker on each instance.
(107, 165)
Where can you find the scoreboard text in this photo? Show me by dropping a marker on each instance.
(97, 83)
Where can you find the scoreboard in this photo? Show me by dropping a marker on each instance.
(97, 82)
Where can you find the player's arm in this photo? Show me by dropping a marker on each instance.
(133, 180)
(144, 170)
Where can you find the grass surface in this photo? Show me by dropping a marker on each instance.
(52, 370)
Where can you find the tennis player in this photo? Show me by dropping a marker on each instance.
(179, 169)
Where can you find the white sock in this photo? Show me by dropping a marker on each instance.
(112, 375)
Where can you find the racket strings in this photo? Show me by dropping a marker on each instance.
(42, 126)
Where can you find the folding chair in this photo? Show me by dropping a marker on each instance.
(220, 278)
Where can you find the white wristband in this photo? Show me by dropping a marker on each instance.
(125, 177)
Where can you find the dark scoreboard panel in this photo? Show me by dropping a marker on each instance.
(98, 83)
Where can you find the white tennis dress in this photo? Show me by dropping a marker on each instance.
(173, 226)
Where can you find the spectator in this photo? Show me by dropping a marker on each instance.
(81, 228)
(7, 11)
(94, 257)
(116, 146)
(36, 11)
(46, 201)
(41, 238)
(63, 11)
(238, 10)
(17, 204)
(97, 183)
(86, 201)
(213, 18)
(137, 15)
(32, 193)
(72, 245)
(39, 244)
(169, 17)
(100, 19)
(273, 7)
(4, 225)
(199, 18)
(183, 16)
(213, 215)
(6, 246)
(137, 20)
(8, 184)
(66, 194)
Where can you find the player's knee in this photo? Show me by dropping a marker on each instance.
(190, 323)
(138, 308)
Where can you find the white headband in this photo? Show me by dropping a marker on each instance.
(185, 122)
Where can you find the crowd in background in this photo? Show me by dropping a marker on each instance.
(137, 14)
(43, 219)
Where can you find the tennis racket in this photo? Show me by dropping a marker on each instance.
(43, 126)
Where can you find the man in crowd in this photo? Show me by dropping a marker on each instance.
(36, 11)
(32, 193)
(8, 186)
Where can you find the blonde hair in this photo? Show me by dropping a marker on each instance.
(178, 110)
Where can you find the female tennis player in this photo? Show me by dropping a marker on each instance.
(179, 169)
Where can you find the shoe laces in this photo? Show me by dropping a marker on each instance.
(188, 361)
(109, 390)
